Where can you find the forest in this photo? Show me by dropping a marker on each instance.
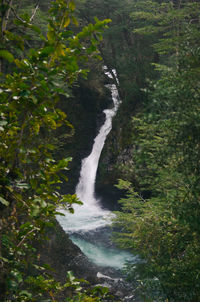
(50, 52)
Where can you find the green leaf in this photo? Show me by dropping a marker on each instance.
(4, 259)
(17, 275)
(6, 55)
(3, 123)
(70, 276)
(47, 50)
(36, 29)
(22, 185)
(34, 99)
(35, 211)
(4, 202)
(67, 21)
(74, 20)
(51, 35)
(25, 293)
(72, 5)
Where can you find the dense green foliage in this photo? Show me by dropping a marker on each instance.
(155, 48)
(163, 228)
(38, 64)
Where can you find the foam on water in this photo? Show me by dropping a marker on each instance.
(84, 219)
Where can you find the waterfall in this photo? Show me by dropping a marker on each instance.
(85, 225)
(86, 186)
(90, 215)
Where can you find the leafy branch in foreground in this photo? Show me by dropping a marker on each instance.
(31, 81)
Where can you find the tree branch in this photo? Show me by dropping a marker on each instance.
(34, 12)
(23, 239)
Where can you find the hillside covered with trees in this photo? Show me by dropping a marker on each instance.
(152, 153)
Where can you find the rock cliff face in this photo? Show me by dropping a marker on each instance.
(63, 256)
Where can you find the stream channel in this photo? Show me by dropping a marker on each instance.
(89, 227)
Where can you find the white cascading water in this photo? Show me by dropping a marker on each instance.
(91, 216)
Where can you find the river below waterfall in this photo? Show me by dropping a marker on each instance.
(89, 227)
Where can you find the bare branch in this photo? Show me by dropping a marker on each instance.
(23, 239)
(6, 17)
(34, 12)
